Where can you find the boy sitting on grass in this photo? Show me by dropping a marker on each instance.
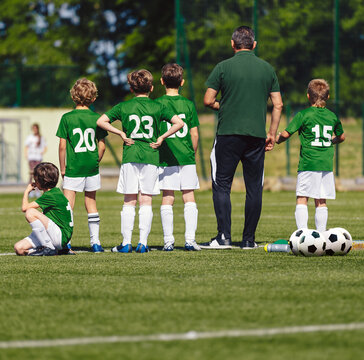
(84, 143)
(177, 160)
(52, 229)
(318, 129)
(140, 118)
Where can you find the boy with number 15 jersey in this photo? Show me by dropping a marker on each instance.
(318, 129)
(140, 118)
(82, 144)
(177, 160)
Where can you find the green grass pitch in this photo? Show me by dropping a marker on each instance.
(142, 294)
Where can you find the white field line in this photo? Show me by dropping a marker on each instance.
(191, 335)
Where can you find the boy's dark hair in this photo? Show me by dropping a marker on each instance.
(172, 75)
(140, 81)
(243, 38)
(319, 91)
(46, 175)
(83, 92)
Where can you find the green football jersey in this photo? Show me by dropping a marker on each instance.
(315, 128)
(56, 207)
(245, 83)
(79, 128)
(177, 149)
(140, 118)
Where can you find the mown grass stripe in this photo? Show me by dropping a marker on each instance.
(191, 335)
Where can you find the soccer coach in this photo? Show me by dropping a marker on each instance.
(245, 82)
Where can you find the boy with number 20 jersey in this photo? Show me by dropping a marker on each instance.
(316, 126)
(83, 143)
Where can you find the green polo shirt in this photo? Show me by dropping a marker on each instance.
(245, 82)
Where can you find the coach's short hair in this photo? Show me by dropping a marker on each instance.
(319, 91)
(172, 75)
(140, 81)
(83, 92)
(46, 175)
(243, 38)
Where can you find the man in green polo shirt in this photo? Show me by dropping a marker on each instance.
(245, 83)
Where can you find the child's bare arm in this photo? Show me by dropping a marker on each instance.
(26, 204)
(283, 136)
(62, 155)
(194, 137)
(104, 123)
(338, 139)
(102, 147)
(177, 123)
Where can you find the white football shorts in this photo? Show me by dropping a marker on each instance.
(177, 178)
(54, 233)
(316, 184)
(135, 177)
(81, 184)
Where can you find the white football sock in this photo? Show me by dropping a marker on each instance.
(41, 233)
(94, 227)
(167, 223)
(301, 216)
(321, 216)
(145, 223)
(190, 213)
(127, 223)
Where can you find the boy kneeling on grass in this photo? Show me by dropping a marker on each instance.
(52, 229)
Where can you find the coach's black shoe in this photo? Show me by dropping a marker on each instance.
(249, 245)
(217, 244)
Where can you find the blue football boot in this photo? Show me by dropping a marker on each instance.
(96, 248)
(142, 248)
(122, 249)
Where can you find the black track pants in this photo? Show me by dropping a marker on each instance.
(227, 152)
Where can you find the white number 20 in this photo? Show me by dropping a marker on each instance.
(85, 138)
(326, 135)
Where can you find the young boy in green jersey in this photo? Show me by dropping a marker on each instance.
(52, 229)
(140, 118)
(177, 159)
(318, 129)
(84, 144)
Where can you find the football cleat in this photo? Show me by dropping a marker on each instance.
(192, 246)
(122, 249)
(142, 248)
(96, 248)
(249, 245)
(217, 244)
(44, 251)
(169, 246)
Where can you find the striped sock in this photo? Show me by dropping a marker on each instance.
(94, 227)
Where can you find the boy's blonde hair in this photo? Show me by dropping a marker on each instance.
(319, 91)
(172, 75)
(83, 92)
(140, 81)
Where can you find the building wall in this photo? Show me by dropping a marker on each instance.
(48, 120)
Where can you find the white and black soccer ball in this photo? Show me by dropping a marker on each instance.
(338, 241)
(312, 243)
(295, 238)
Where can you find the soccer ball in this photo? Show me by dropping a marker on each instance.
(312, 243)
(338, 241)
(295, 238)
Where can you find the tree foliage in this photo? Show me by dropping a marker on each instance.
(106, 39)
